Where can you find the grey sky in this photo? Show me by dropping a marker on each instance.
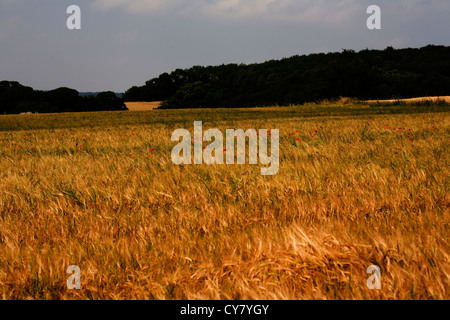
(126, 42)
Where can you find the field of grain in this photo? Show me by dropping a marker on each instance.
(419, 99)
(142, 106)
(357, 186)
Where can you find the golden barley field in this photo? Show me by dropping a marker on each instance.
(419, 99)
(358, 185)
(142, 106)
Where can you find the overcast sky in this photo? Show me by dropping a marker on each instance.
(123, 43)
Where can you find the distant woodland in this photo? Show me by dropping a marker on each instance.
(367, 74)
(16, 98)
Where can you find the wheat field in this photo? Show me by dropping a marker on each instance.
(358, 185)
(142, 106)
(418, 99)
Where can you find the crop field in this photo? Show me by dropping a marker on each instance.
(142, 106)
(358, 185)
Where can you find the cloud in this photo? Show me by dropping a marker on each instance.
(10, 27)
(301, 11)
(145, 7)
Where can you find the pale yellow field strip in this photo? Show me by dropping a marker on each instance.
(142, 106)
(446, 98)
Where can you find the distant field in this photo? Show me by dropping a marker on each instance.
(445, 98)
(358, 185)
(142, 106)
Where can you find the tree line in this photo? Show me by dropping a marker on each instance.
(16, 98)
(367, 74)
